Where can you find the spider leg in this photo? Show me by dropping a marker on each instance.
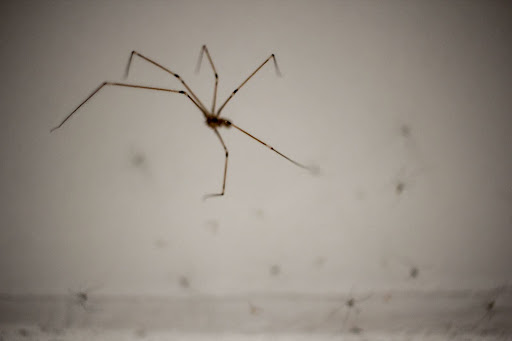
(129, 86)
(225, 168)
(204, 49)
(250, 76)
(333, 312)
(198, 101)
(271, 148)
(362, 299)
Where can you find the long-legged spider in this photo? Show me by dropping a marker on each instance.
(212, 117)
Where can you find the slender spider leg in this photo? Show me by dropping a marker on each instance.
(167, 70)
(270, 147)
(362, 299)
(205, 49)
(225, 168)
(245, 81)
(129, 86)
(334, 312)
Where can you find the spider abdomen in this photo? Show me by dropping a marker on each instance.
(214, 122)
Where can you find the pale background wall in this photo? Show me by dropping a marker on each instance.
(113, 199)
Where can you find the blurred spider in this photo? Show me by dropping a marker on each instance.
(350, 304)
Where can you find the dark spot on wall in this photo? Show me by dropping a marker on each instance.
(254, 310)
(140, 333)
(405, 130)
(275, 270)
(213, 226)
(138, 159)
(160, 243)
(355, 330)
(259, 214)
(319, 262)
(184, 282)
(387, 297)
(360, 194)
(414, 272)
(399, 187)
(23, 332)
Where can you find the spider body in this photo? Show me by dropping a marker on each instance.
(214, 121)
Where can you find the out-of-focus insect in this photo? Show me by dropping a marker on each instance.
(212, 116)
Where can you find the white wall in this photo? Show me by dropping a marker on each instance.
(113, 199)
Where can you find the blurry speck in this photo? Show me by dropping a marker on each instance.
(140, 333)
(404, 180)
(414, 272)
(46, 328)
(399, 187)
(81, 298)
(184, 282)
(319, 262)
(383, 262)
(23, 332)
(360, 194)
(138, 159)
(213, 226)
(315, 170)
(275, 270)
(356, 330)
(259, 214)
(490, 305)
(405, 130)
(387, 297)
(254, 310)
(160, 243)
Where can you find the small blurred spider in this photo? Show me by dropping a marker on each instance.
(350, 304)
(489, 306)
(82, 297)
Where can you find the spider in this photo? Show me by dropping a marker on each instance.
(413, 269)
(351, 303)
(212, 116)
(489, 306)
(404, 180)
(82, 297)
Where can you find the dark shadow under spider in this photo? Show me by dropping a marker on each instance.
(212, 116)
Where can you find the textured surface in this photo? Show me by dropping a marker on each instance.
(444, 313)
